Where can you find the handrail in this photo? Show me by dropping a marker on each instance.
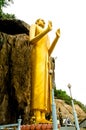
(9, 126)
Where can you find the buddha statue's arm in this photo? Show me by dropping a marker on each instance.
(54, 42)
(40, 35)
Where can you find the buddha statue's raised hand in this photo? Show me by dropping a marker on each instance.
(58, 33)
(49, 25)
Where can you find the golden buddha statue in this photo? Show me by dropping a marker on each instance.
(41, 51)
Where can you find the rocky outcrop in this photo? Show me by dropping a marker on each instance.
(14, 27)
(15, 75)
(67, 111)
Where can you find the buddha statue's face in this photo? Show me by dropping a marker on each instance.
(41, 23)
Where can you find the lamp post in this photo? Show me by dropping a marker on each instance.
(74, 112)
(52, 80)
(54, 115)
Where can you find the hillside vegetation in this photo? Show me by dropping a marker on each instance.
(59, 94)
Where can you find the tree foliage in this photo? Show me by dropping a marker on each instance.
(59, 94)
(5, 3)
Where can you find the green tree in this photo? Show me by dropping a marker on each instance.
(5, 3)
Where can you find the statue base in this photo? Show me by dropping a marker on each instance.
(37, 127)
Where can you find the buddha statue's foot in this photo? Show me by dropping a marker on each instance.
(43, 121)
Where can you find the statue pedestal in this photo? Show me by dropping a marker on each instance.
(37, 127)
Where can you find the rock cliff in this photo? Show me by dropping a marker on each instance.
(15, 72)
(67, 111)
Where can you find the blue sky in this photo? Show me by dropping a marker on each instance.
(70, 17)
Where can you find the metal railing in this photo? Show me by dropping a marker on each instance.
(16, 126)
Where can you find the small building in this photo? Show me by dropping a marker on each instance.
(82, 124)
